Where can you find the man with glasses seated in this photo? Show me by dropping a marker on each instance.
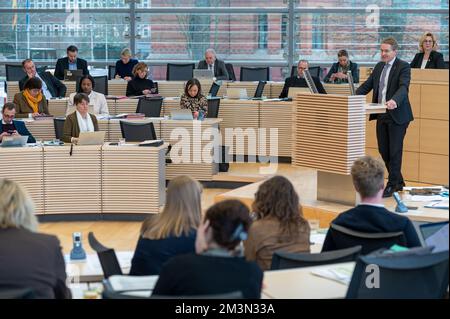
(212, 63)
(10, 127)
(299, 80)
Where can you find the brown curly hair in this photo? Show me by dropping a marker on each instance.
(276, 198)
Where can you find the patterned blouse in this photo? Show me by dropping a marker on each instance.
(194, 103)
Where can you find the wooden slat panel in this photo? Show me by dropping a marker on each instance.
(42, 129)
(433, 169)
(414, 99)
(126, 106)
(12, 88)
(169, 105)
(171, 88)
(434, 102)
(58, 107)
(117, 87)
(434, 136)
(250, 87)
(275, 89)
(71, 87)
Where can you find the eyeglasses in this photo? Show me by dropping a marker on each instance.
(428, 41)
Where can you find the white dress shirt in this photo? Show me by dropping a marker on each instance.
(386, 79)
(97, 100)
(424, 64)
(45, 90)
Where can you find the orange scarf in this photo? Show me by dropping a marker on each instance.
(33, 101)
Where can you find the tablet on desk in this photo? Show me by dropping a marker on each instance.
(91, 138)
(14, 140)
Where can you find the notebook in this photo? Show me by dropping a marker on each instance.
(91, 138)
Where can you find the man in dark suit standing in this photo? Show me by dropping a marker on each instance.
(212, 63)
(51, 86)
(390, 84)
(70, 62)
(10, 127)
(299, 80)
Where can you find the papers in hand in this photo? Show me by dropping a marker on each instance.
(340, 274)
(132, 283)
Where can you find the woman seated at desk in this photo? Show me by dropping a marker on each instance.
(31, 101)
(80, 120)
(338, 72)
(428, 57)
(97, 100)
(140, 85)
(193, 99)
(124, 66)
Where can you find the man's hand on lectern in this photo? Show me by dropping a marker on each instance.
(391, 104)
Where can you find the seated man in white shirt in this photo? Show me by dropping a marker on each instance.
(97, 100)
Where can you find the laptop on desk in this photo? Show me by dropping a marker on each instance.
(72, 75)
(91, 138)
(203, 74)
(181, 114)
(435, 234)
(14, 140)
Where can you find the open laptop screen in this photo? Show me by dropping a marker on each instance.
(435, 234)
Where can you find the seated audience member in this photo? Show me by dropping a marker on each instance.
(51, 86)
(172, 232)
(80, 120)
(97, 100)
(28, 259)
(280, 224)
(338, 71)
(70, 62)
(193, 99)
(140, 85)
(31, 102)
(10, 127)
(299, 80)
(428, 57)
(124, 66)
(218, 267)
(370, 216)
(212, 63)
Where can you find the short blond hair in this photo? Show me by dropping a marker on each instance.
(368, 176)
(423, 38)
(139, 66)
(126, 52)
(16, 207)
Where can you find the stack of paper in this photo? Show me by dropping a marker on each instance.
(340, 273)
(132, 283)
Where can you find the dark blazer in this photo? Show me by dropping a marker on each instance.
(32, 260)
(71, 128)
(220, 70)
(335, 67)
(137, 85)
(435, 61)
(21, 128)
(55, 86)
(23, 108)
(397, 90)
(295, 81)
(63, 64)
(371, 219)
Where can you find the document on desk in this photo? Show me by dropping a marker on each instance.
(132, 283)
(442, 204)
(341, 274)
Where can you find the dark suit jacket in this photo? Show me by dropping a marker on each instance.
(397, 90)
(371, 219)
(21, 129)
(71, 128)
(23, 108)
(63, 64)
(295, 81)
(220, 70)
(32, 260)
(435, 61)
(335, 67)
(55, 86)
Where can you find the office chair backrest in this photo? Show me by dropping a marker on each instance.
(155, 85)
(151, 107)
(179, 72)
(214, 89)
(213, 108)
(403, 275)
(345, 238)
(137, 132)
(107, 257)
(255, 74)
(313, 70)
(111, 71)
(14, 72)
(283, 260)
(260, 89)
(16, 293)
(230, 70)
(58, 124)
(101, 84)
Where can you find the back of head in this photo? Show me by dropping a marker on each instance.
(277, 199)
(16, 207)
(229, 221)
(182, 212)
(33, 83)
(368, 176)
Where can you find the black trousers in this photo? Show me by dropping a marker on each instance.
(390, 145)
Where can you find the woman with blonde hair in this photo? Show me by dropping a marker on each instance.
(173, 231)
(428, 57)
(28, 260)
(279, 224)
(124, 66)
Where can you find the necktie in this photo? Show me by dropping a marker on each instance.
(210, 66)
(382, 81)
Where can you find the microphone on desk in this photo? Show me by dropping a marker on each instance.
(77, 252)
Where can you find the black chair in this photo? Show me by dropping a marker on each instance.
(180, 72)
(230, 70)
(255, 74)
(260, 89)
(345, 238)
(151, 107)
(101, 84)
(404, 275)
(108, 293)
(58, 123)
(283, 260)
(14, 72)
(106, 256)
(111, 71)
(155, 85)
(214, 89)
(213, 108)
(314, 71)
(137, 132)
(17, 293)
(446, 64)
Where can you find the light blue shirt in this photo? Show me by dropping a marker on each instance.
(73, 66)
(45, 90)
